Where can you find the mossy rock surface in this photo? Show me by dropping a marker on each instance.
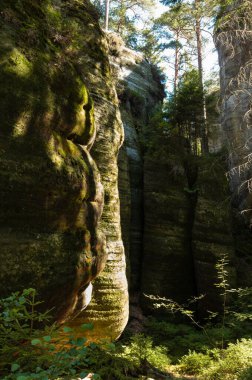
(188, 228)
(212, 231)
(109, 307)
(50, 190)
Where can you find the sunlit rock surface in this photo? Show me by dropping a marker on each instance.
(140, 91)
(56, 92)
(109, 307)
(233, 40)
(234, 45)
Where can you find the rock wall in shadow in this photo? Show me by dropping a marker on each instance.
(188, 227)
(57, 102)
(167, 268)
(212, 238)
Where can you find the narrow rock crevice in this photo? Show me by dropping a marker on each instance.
(191, 172)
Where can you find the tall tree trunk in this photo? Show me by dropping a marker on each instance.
(121, 22)
(203, 134)
(176, 76)
(107, 14)
(176, 72)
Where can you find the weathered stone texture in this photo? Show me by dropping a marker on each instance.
(178, 228)
(125, 203)
(50, 190)
(56, 91)
(188, 228)
(167, 268)
(109, 307)
(212, 238)
(135, 185)
(234, 47)
(233, 40)
(139, 93)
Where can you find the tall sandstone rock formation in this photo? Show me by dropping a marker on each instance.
(233, 39)
(187, 226)
(57, 102)
(176, 221)
(140, 92)
(62, 222)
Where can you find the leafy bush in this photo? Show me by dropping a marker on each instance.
(233, 363)
(220, 364)
(141, 351)
(18, 316)
(194, 362)
(180, 338)
(31, 348)
(28, 352)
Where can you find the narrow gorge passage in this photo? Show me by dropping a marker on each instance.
(125, 190)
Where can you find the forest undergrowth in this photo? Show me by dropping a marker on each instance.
(31, 347)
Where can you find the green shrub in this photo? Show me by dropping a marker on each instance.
(141, 350)
(18, 318)
(180, 338)
(194, 362)
(29, 349)
(233, 362)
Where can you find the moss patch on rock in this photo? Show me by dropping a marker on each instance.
(50, 190)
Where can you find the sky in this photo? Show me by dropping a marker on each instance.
(210, 58)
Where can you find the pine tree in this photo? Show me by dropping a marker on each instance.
(174, 26)
(194, 12)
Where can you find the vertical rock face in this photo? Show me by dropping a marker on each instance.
(50, 191)
(139, 93)
(109, 307)
(135, 185)
(61, 130)
(125, 202)
(179, 224)
(212, 238)
(188, 227)
(234, 42)
(168, 269)
(56, 91)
